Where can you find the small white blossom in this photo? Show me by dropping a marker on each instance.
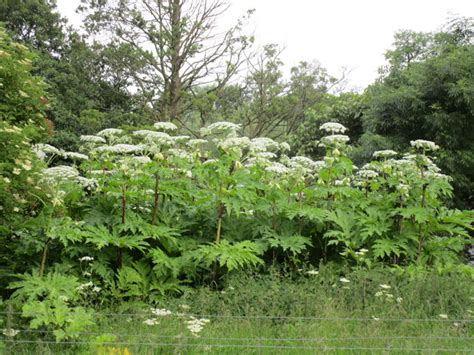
(344, 280)
(10, 332)
(444, 316)
(121, 148)
(333, 127)
(220, 127)
(424, 145)
(312, 272)
(384, 153)
(385, 287)
(91, 139)
(75, 156)
(110, 132)
(61, 172)
(335, 140)
(277, 168)
(234, 142)
(196, 142)
(263, 144)
(160, 312)
(86, 258)
(165, 126)
(367, 174)
(152, 321)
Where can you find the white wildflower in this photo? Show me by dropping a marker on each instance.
(220, 127)
(344, 280)
(96, 289)
(334, 140)
(285, 147)
(64, 298)
(234, 142)
(196, 142)
(91, 139)
(82, 287)
(399, 299)
(424, 145)
(160, 312)
(185, 307)
(444, 316)
(385, 287)
(312, 272)
(210, 161)
(61, 172)
(86, 258)
(6, 180)
(10, 332)
(375, 318)
(263, 144)
(75, 156)
(384, 153)
(121, 148)
(165, 126)
(277, 168)
(110, 132)
(379, 294)
(333, 127)
(367, 174)
(152, 321)
(195, 325)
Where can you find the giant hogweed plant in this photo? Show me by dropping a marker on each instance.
(159, 211)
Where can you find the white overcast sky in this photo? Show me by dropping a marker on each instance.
(337, 33)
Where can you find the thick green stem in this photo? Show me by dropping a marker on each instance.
(220, 214)
(124, 220)
(156, 200)
(43, 258)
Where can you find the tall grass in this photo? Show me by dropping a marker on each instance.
(292, 313)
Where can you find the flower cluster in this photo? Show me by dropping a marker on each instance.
(221, 127)
(424, 145)
(333, 127)
(91, 139)
(384, 153)
(165, 126)
(110, 132)
(195, 325)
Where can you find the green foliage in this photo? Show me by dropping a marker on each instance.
(426, 92)
(231, 256)
(49, 302)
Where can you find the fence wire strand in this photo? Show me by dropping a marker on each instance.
(268, 317)
(249, 346)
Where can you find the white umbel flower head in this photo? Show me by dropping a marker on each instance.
(424, 145)
(333, 127)
(165, 126)
(110, 132)
(61, 172)
(335, 140)
(121, 148)
(75, 156)
(384, 153)
(263, 144)
(234, 142)
(277, 168)
(91, 139)
(220, 127)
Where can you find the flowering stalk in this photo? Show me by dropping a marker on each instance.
(43, 258)
(155, 199)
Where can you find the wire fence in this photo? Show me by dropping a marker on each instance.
(453, 335)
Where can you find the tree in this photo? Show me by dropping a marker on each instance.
(34, 22)
(428, 95)
(173, 47)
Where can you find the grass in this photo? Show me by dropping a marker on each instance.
(265, 314)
